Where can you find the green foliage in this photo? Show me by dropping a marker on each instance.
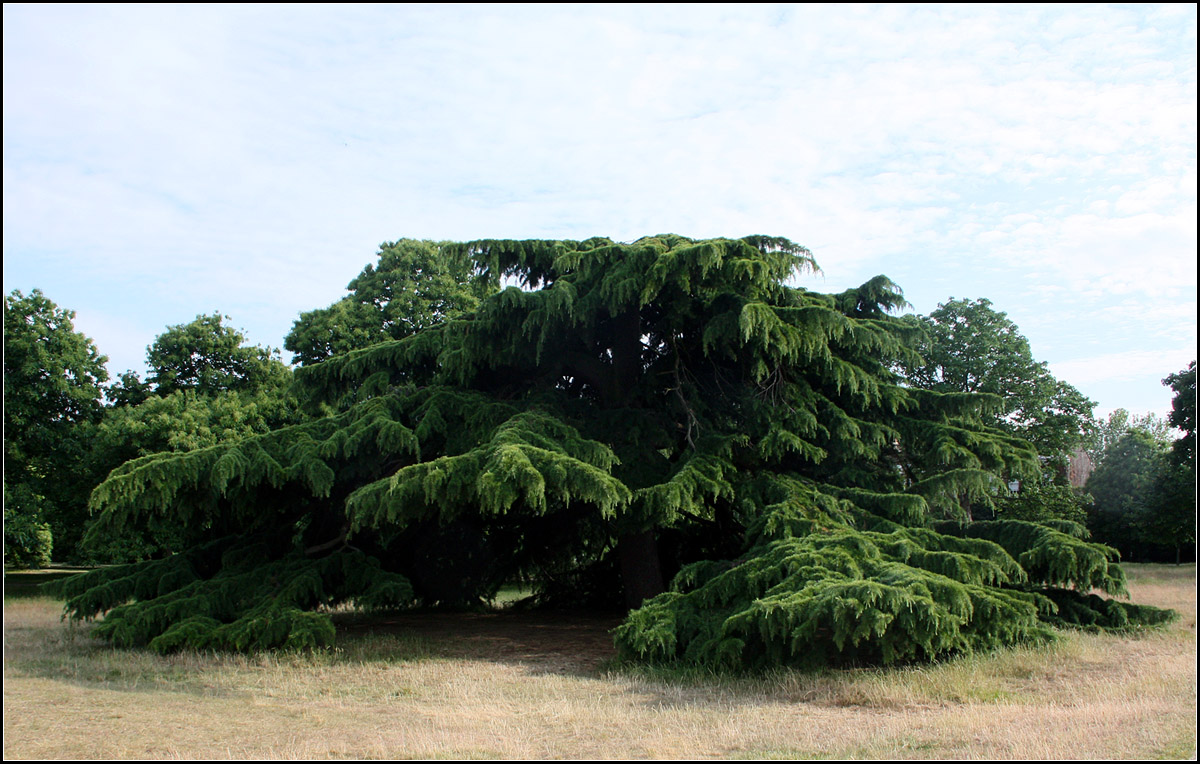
(414, 286)
(838, 595)
(1145, 485)
(177, 422)
(629, 412)
(833, 594)
(207, 387)
(1123, 488)
(185, 421)
(1076, 609)
(1039, 501)
(1119, 424)
(1051, 557)
(52, 378)
(206, 356)
(52, 374)
(1171, 521)
(970, 347)
(232, 594)
(28, 540)
(128, 390)
(1183, 412)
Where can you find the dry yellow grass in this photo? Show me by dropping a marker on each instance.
(388, 695)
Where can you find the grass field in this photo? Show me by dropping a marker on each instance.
(510, 685)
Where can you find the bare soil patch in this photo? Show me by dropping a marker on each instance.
(553, 642)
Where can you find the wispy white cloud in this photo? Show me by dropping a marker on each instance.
(250, 158)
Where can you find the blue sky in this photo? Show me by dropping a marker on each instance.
(166, 161)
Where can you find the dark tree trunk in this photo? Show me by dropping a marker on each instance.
(641, 572)
(626, 357)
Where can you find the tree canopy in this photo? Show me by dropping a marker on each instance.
(413, 286)
(1173, 515)
(207, 385)
(1183, 412)
(970, 347)
(626, 416)
(52, 382)
(1144, 485)
(1120, 423)
(1123, 490)
(207, 356)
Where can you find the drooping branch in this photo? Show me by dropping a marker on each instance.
(339, 540)
(692, 421)
(667, 397)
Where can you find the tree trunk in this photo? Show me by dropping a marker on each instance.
(641, 572)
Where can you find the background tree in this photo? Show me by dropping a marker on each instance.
(632, 414)
(413, 286)
(127, 390)
(1173, 512)
(1042, 501)
(969, 347)
(972, 348)
(1123, 488)
(1171, 522)
(207, 356)
(1120, 423)
(207, 386)
(1183, 413)
(52, 379)
(1144, 485)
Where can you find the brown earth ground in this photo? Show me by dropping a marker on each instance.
(564, 642)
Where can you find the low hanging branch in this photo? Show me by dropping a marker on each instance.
(339, 541)
(692, 421)
(459, 461)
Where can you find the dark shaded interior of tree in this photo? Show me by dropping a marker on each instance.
(670, 426)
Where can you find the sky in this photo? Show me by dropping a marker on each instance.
(162, 162)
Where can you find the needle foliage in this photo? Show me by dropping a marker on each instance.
(622, 416)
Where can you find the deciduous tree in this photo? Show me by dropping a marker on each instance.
(207, 386)
(52, 383)
(1144, 486)
(207, 356)
(413, 286)
(1120, 423)
(970, 347)
(1123, 489)
(1183, 413)
(1173, 511)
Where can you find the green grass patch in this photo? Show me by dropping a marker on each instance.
(27, 583)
